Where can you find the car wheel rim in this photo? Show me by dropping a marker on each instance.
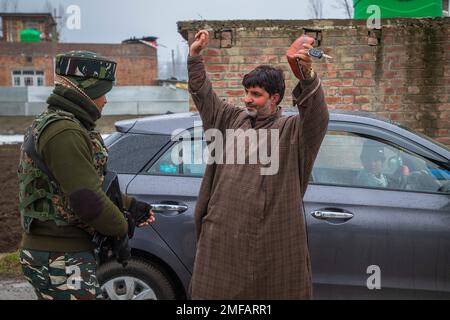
(127, 288)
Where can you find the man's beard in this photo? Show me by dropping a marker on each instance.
(261, 111)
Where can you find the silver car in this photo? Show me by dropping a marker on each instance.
(382, 235)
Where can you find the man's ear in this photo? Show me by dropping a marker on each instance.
(275, 98)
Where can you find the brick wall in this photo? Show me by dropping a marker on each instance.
(137, 63)
(406, 77)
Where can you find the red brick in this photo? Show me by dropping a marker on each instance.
(392, 99)
(413, 90)
(365, 91)
(212, 52)
(364, 82)
(367, 107)
(350, 74)
(220, 84)
(393, 107)
(389, 91)
(233, 67)
(396, 49)
(247, 67)
(348, 99)
(364, 66)
(397, 83)
(136, 63)
(390, 74)
(347, 66)
(214, 59)
(331, 83)
(444, 140)
(234, 75)
(333, 100)
(347, 82)
(350, 107)
(281, 42)
(367, 74)
(235, 93)
(328, 67)
(350, 59)
(250, 51)
(216, 68)
(401, 91)
(362, 99)
(215, 76)
(235, 83)
(349, 91)
(396, 116)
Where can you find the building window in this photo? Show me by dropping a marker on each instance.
(25, 78)
(28, 81)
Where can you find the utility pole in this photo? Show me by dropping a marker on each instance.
(173, 64)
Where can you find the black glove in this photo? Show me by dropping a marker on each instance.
(139, 211)
(122, 250)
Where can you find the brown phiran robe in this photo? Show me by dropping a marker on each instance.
(251, 234)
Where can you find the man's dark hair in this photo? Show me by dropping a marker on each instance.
(267, 77)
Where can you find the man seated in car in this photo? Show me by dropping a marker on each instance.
(372, 158)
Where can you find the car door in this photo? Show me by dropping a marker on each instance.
(172, 186)
(385, 241)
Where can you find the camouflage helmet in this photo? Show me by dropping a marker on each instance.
(88, 71)
(85, 64)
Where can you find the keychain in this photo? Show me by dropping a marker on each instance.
(316, 53)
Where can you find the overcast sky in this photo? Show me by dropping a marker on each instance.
(112, 21)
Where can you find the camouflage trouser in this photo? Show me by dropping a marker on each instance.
(61, 276)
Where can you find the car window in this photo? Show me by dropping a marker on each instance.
(182, 159)
(351, 160)
(129, 153)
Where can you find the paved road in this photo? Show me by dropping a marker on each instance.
(16, 290)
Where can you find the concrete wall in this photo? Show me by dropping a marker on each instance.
(405, 77)
(28, 101)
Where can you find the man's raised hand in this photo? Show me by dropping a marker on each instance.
(297, 55)
(200, 43)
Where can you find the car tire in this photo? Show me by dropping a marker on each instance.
(140, 279)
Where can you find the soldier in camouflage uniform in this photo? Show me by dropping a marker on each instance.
(61, 170)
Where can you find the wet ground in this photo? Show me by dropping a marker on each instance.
(16, 289)
(10, 229)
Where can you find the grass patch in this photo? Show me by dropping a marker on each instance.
(9, 264)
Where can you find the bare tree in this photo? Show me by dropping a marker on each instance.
(58, 14)
(62, 18)
(315, 7)
(346, 6)
(48, 7)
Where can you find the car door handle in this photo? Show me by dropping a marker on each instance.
(165, 207)
(324, 215)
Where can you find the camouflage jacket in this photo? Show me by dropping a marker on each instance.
(40, 197)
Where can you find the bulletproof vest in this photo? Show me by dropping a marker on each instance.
(40, 196)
